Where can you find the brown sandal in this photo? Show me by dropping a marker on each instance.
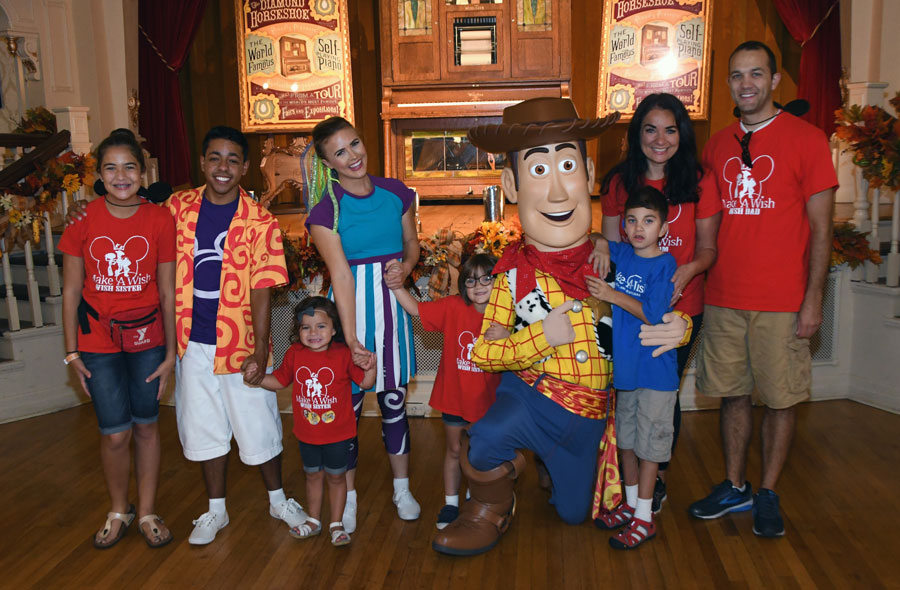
(127, 518)
(150, 520)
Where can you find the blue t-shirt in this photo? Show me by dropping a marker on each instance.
(369, 225)
(648, 280)
(209, 245)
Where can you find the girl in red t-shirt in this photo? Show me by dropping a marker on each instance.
(119, 326)
(321, 367)
(662, 153)
(462, 391)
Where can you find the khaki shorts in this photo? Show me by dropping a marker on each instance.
(743, 349)
(645, 423)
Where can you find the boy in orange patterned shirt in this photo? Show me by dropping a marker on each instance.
(229, 256)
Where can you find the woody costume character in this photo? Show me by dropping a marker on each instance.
(554, 397)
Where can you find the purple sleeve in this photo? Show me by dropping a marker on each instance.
(323, 213)
(406, 195)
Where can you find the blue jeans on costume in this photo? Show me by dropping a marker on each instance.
(120, 395)
(567, 443)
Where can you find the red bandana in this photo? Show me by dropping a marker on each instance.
(568, 267)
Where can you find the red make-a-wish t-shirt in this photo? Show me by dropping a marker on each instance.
(460, 388)
(681, 240)
(763, 261)
(120, 260)
(321, 394)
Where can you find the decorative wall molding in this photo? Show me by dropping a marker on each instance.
(24, 47)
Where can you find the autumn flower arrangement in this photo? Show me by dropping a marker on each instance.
(26, 202)
(304, 264)
(874, 137)
(37, 120)
(851, 246)
(492, 237)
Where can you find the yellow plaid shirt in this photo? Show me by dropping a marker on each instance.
(528, 348)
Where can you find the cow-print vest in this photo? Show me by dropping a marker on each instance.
(534, 307)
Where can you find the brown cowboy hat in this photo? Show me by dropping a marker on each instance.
(538, 121)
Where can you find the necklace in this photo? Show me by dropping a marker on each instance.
(761, 122)
(108, 202)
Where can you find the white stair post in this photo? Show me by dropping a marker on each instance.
(75, 119)
(893, 259)
(34, 294)
(860, 216)
(871, 267)
(52, 269)
(861, 204)
(12, 308)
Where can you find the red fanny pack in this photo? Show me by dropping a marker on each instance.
(138, 329)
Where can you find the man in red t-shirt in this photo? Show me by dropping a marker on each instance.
(775, 177)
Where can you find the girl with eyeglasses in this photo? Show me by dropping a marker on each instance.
(662, 152)
(462, 391)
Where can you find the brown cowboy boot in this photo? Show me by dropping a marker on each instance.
(486, 516)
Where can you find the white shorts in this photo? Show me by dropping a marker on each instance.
(210, 408)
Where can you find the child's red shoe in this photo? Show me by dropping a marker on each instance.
(636, 533)
(615, 518)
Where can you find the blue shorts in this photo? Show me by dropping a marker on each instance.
(454, 420)
(120, 395)
(331, 457)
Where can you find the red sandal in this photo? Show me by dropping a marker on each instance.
(615, 518)
(637, 532)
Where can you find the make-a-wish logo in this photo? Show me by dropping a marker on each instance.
(745, 186)
(633, 284)
(118, 265)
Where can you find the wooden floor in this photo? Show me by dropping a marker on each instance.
(839, 497)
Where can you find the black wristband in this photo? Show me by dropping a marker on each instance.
(68, 352)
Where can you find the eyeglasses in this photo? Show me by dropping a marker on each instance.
(745, 149)
(483, 280)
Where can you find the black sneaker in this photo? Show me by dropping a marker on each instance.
(724, 498)
(767, 520)
(659, 496)
(447, 515)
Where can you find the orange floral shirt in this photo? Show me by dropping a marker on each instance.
(253, 259)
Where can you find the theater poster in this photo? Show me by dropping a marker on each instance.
(654, 46)
(294, 63)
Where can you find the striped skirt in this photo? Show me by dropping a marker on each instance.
(383, 327)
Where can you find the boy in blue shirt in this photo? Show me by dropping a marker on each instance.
(646, 385)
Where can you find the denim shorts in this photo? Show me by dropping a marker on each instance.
(454, 420)
(331, 457)
(120, 395)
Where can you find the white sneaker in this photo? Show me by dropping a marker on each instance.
(206, 527)
(407, 507)
(289, 511)
(349, 516)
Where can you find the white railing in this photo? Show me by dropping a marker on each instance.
(867, 218)
(34, 314)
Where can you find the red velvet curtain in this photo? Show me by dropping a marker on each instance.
(815, 24)
(167, 28)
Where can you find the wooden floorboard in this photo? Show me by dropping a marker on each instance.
(838, 493)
